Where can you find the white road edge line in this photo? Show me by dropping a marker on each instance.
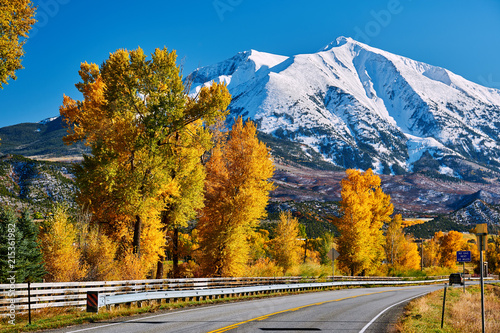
(373, 320)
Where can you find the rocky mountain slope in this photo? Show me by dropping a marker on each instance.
(476, 212)
(361, 107)
(26, 183)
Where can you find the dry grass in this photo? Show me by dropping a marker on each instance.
(463, 311)
(466, 313)
(65, 159)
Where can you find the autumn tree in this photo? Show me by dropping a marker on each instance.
(450, 243)
(400, 249)
(409, 257)
(285, 246)
(99, 255)
(259, 245)
(493, 254)
(62, 257)
(432, 251)
(364, 210)
(16, 19)
(188, 173)
(237, 191)
(133, 111)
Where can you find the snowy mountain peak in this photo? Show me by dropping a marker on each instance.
(363, 107)
(268, 60)
(340, 41)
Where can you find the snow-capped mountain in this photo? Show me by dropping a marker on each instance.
(362, 107)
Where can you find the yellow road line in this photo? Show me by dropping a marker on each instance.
(264, 317)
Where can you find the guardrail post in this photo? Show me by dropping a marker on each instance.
(93, 301)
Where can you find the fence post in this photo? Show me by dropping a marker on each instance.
(29, 302)
(444, 303)
(93, 301)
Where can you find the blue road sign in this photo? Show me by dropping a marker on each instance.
(463, 256)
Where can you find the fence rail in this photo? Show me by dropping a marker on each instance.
(65, 294)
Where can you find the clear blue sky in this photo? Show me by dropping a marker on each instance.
(460, 35)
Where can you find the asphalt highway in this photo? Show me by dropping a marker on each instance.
(347, 310)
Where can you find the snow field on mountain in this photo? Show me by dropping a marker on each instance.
(362, 107)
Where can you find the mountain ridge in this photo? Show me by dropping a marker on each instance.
(361, 107)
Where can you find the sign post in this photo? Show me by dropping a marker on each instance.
(481, 232)
(333, 254)
(463, 257)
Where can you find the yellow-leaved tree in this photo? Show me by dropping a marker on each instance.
(364, 210)
(62, 257)
(16, 19)
(237, 192)
(432, 253)
(286, 247)
(133, 111)
(493, 254)
(99, 252)
(400, 249)
(188, 173)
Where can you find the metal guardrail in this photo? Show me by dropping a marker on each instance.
(106, 300)
(64, 294)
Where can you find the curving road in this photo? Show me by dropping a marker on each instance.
(348, 310)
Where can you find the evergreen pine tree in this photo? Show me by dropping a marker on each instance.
(19, 251)
(31, 267)
(9, 237)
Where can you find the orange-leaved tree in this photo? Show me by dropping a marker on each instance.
(133, 110)
(450, 243)
(364, 210)
(237, 192)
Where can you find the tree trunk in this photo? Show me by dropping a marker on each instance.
(159, 268)
(175, 252)
(137, 236)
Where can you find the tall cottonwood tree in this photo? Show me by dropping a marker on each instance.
(188, 173)
(364, 209)
(132, 112)
(16, 19)
(237, 192)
